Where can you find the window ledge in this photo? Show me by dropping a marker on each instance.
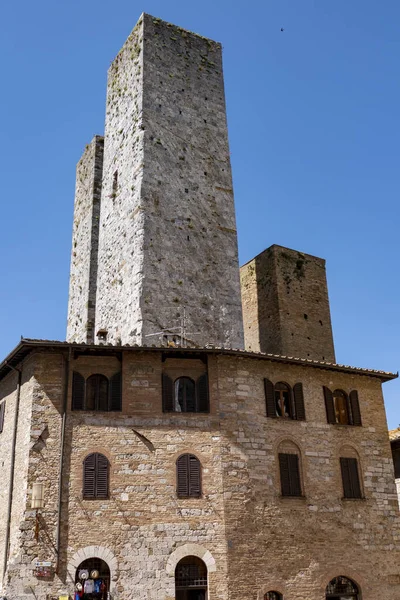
(293, 499)
(362, 498)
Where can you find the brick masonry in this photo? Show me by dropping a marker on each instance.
(258, 540)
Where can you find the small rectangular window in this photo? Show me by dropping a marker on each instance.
(115, 183)
(290, 474)
(350, 478)
(2, 412)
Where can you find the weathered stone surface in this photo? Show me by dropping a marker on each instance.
(286, 305)
(85, 241)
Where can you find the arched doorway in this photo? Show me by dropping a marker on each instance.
(93, 577)
(191, 579)
(342, 588)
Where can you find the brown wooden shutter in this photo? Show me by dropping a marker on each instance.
(89, 476)
(102, 469)
(116, 392)
(203, 403)
(194, 477)
(182, 476)
(355, 408)
(78, 391)
(2, 413)
(330, 409)
(290, 474)
(350, 478)
(299, 402)
(167, 393)
(270, 398)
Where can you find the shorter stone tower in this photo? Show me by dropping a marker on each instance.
(286, 305)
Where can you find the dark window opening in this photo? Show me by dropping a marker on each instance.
(396, 461)
(188, 476)
(283, 401)
(96, 573)
(191, 579)
(273, 596)
(2, 413)
(350, 478)
(185, 395)
(341, 407)
(290, 474)
(95, 476)
(97, 392)
(342, 588)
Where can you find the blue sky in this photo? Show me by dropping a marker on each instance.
(314, 126)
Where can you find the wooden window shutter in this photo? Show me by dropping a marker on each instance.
(350, 478)
(355, 408)
(290, 474)
(299, 402)
(116, 392)
(270, 398)
(194, 477)
(330, 409)
(182, 476)
(78, 391)
(167, 394)
(102, 470)
(89, 476)
(2, 413)
(203, 403)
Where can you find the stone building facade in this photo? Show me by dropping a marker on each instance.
(188, 469)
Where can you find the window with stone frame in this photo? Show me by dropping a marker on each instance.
(188, 476)
(290, 472)
(349, 466)
(342, 408)
(2, 413)
(97, 392)
(184, 394)
(273, 596)
(284, 402)
(95, 476)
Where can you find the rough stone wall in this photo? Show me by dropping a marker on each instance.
(168, 237)
(9, 394)
(85, 240)
(259, 541)
(286, 305)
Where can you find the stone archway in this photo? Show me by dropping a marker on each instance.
(190, 550)
(93, 552)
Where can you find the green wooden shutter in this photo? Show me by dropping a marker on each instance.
(167, 393)
(102, 471)
(355, 408)
(299, 409)
(78, 391)
(270, 398)
(330, 409)
(116, 392)
(194, 477)
(182, 476)
(2, 413)
(203, 403)
(350, 478)
(89, 476)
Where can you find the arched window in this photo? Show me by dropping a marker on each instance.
(188, 476)
(97, 392)
(273, 596)
(341, 406)
(184, 395)
(283, 400)
(93, 577)
(191, 579)
(95, 476)
(342, 588)
(289, 469)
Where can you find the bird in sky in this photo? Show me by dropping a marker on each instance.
(282, 29)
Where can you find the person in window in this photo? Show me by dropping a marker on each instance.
(283, 400)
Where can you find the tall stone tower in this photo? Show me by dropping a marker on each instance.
(163, 238)
(286, 305)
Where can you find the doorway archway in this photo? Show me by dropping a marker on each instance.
(342, 588)
(191, 579)
(93, 577)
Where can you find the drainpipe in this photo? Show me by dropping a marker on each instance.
(61, 467)
(12, 468)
